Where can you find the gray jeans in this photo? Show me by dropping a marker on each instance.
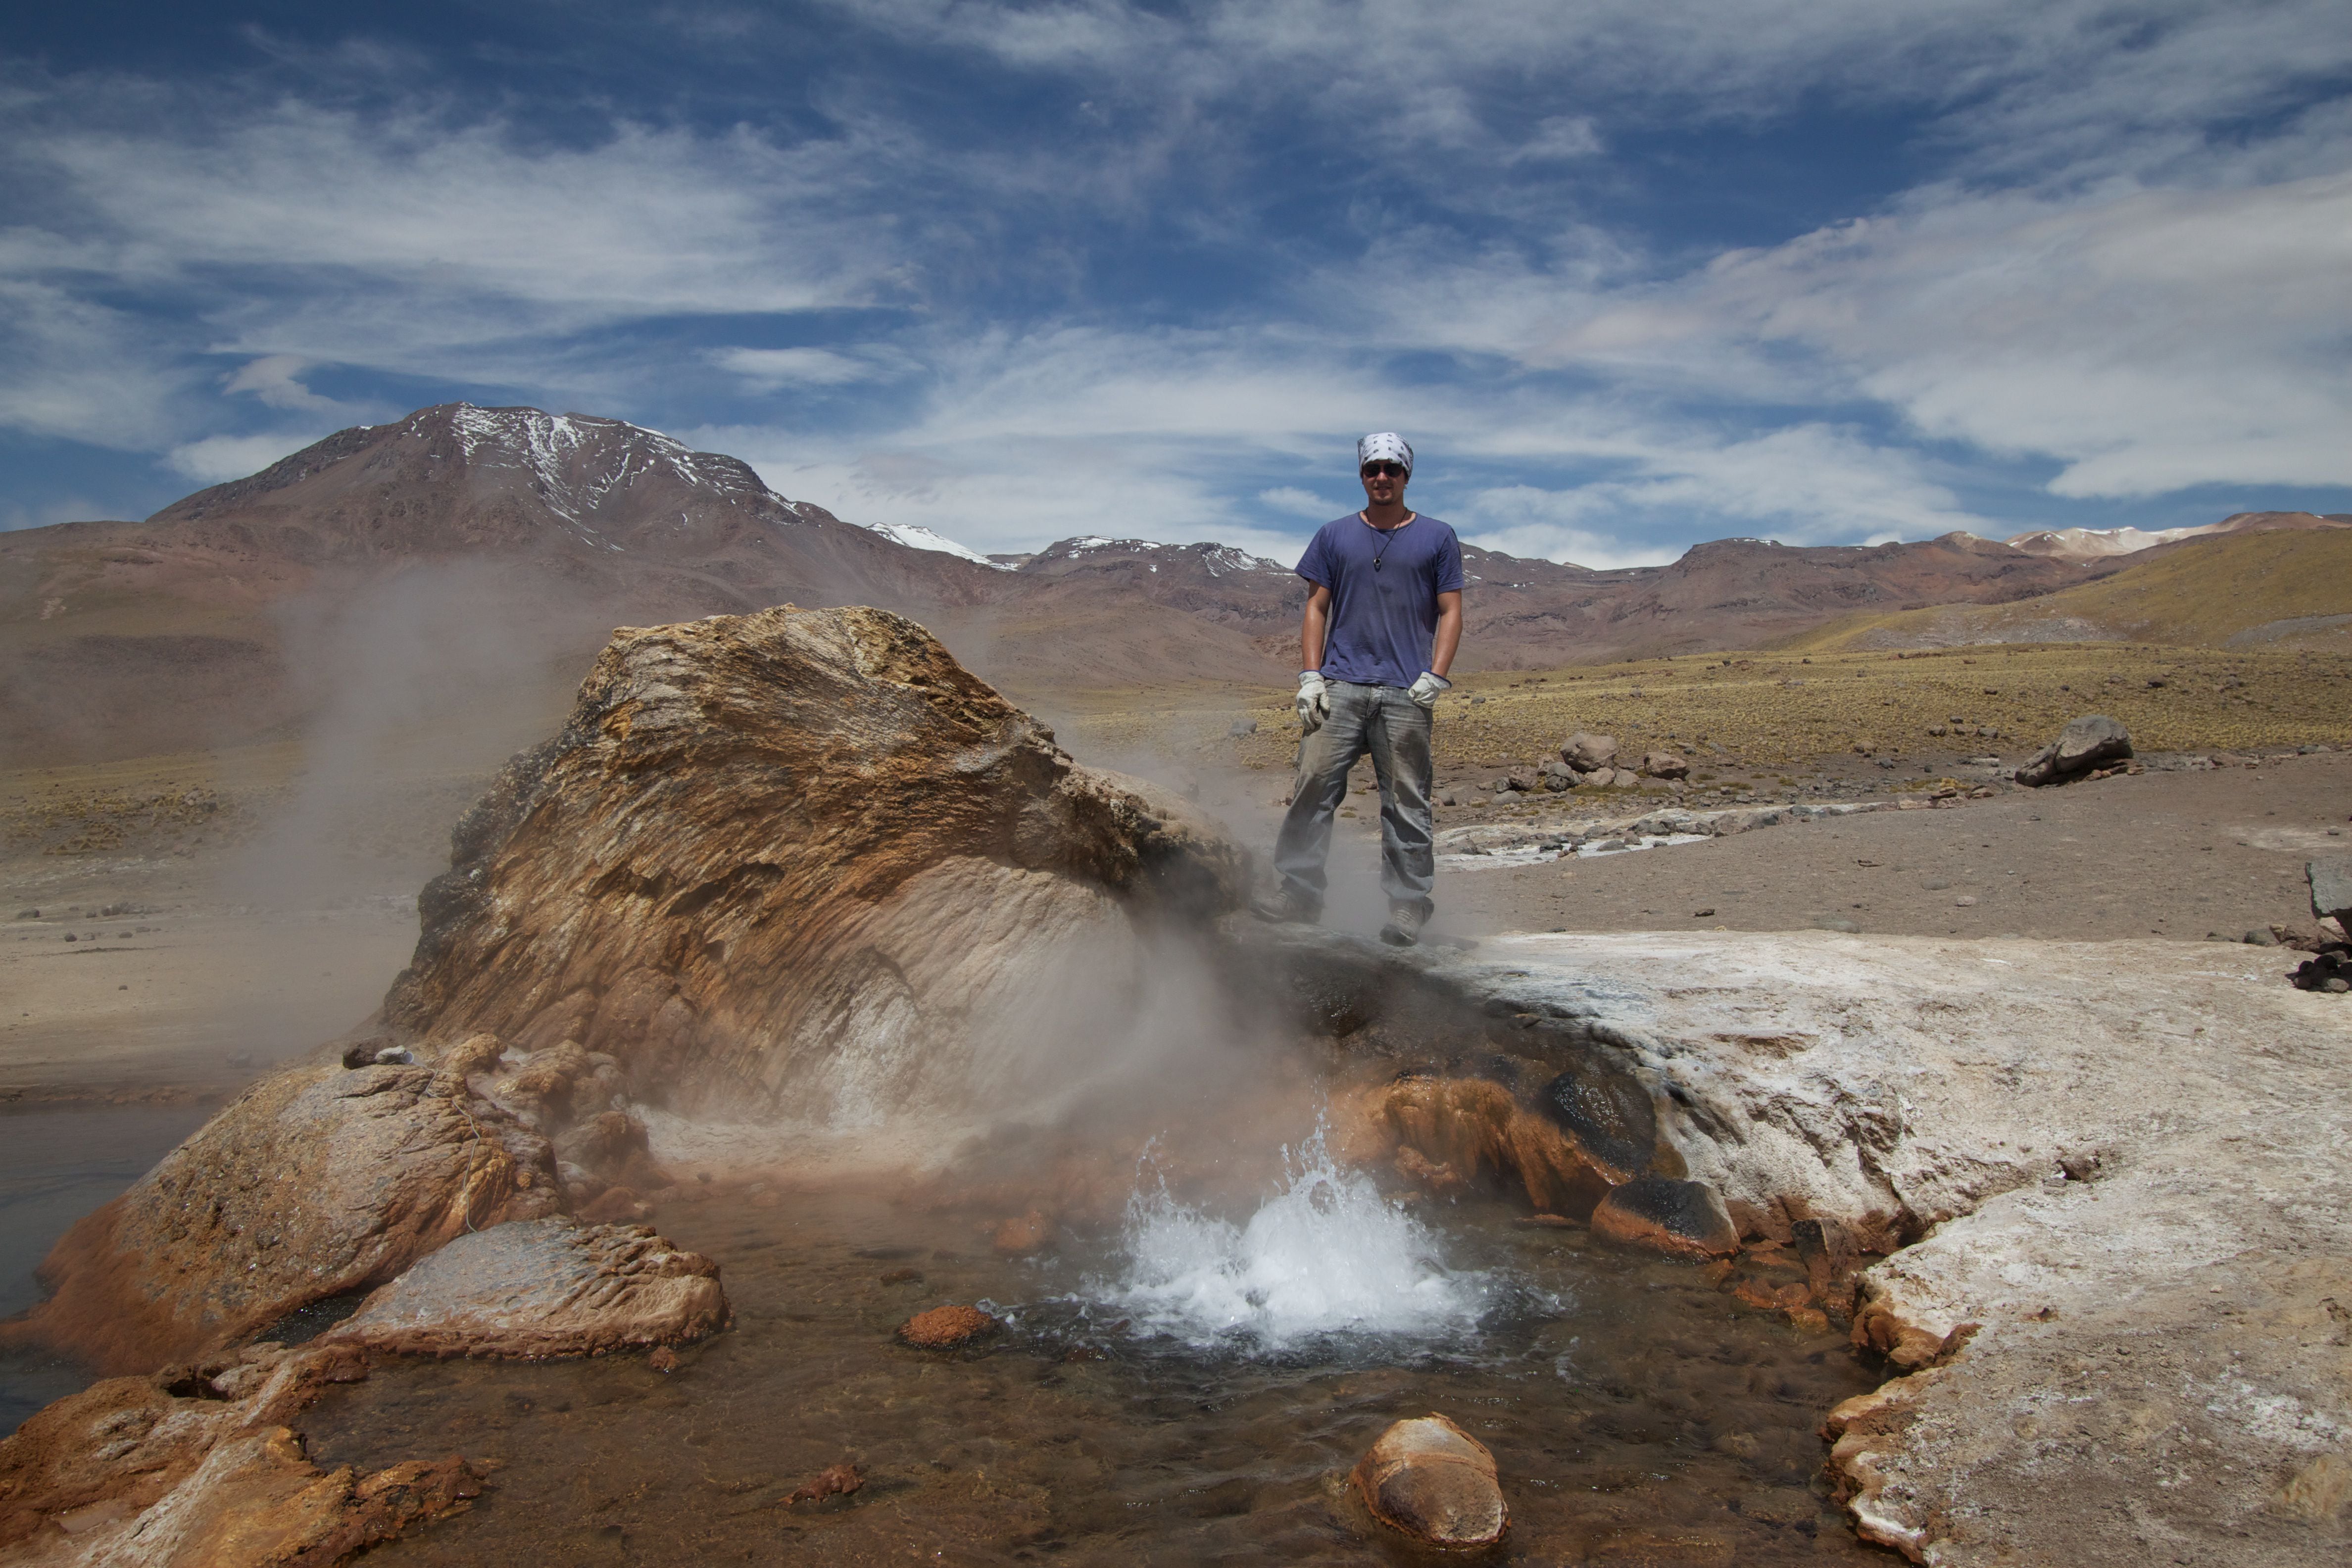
(1387, 722)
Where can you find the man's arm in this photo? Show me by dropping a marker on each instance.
(1449, 630)
(1319, 618)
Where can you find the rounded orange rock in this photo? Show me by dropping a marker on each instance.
(944, 1327)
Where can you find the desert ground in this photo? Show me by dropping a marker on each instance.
(173, 926)
(176, 926)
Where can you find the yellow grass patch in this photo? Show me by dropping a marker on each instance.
(2274, 590)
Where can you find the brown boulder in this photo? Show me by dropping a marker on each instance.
(1587, 753)
(800, 858)
(1433, 1481)
(316, 1182)
(538, 1289)
(2081, 746)
(195, 1468)
(944, 1327)
(1665, 765)
(1682, 1219)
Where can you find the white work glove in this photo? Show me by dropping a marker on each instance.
(1314, 701)
(1424, 690)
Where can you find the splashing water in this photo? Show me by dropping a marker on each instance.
(1327, 1255)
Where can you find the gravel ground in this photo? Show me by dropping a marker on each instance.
(2155, 854)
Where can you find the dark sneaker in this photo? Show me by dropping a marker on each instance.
(1405, 921)
(1284, 907)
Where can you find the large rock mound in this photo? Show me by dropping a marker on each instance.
(801, 864)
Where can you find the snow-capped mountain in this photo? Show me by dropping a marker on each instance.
(913, 536)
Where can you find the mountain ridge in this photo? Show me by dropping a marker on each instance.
(525, 536)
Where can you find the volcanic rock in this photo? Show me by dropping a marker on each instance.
(945, 1327)
(541, 1289)
(1665, 765)
(196, 1466)
(1586, 752)
(318, 1181)
(1436, 1483)
(803, 862)
(2084, 744)
(1682, 1219)
(833, 1480)
(2331, 890)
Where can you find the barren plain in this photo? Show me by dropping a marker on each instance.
(174, 927)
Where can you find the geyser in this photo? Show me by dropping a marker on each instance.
(1327, 1255)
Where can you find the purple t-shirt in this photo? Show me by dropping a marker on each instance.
(1383, 620)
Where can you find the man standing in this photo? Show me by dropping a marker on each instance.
(1383, 618)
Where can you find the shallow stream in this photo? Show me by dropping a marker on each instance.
(1190, 1387)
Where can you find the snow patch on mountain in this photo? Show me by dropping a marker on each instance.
(917, 537)
(575, 461)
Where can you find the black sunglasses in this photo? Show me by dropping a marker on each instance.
(1386, 470)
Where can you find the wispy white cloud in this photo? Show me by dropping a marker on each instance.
(1295, 502)
(769, 369)
(216, 459)
(2120, 267)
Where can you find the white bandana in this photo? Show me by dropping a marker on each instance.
(1386, 447)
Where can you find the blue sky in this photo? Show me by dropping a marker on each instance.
(1629, 273)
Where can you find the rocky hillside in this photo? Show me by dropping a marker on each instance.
(2091, 543)
(468, 557)
(2271, 588)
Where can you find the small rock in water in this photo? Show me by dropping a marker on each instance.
(833, 1480)
(664, 1359)
(1020, 1237)
(1683, 1219)
(902, 1277)
(1436, 1483)
(944, 1327)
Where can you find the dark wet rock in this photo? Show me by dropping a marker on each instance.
(1683, 1219)
(2082, 745)
(1433, 1481)
(542, 1288)
(945, 1327)
(2329, 971)
(1610, 1115)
